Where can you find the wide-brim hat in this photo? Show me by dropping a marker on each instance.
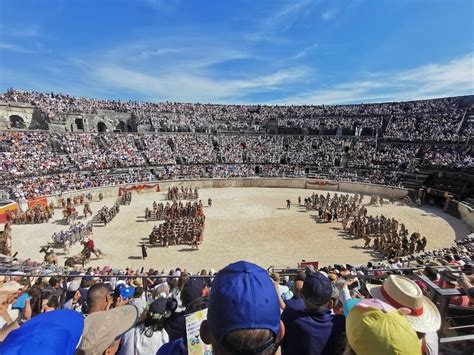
(402, 292)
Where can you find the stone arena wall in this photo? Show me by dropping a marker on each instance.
(467, 215)
(351, 187)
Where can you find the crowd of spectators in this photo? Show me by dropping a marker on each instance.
(373, 308)
(37, 162)
(418, 134)
(423, 120)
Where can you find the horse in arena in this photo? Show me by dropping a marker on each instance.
(79, 259)
(50, 256)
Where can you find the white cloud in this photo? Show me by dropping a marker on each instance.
(428, 81)
(191, 87)
(328, 15)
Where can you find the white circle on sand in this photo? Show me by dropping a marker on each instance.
(250, 224)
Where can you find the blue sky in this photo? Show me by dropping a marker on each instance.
(247, 51)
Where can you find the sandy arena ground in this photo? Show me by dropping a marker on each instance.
(243, 223)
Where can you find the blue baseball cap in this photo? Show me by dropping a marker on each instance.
(124, 291)
(242, 297)
(51, 333)
(317, 287)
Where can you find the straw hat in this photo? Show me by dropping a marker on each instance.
(138, 282)
(402, 292)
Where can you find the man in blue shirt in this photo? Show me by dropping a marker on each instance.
(296, 302)
(314, 330)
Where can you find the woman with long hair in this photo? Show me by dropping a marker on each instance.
(149, 334)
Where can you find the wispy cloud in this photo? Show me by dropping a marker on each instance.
(428, 81)
(23, 31)
(5, 46)
(280, 20)
(304, 52)
(191, 87)
(328, 15)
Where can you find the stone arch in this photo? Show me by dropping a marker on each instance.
(122, 127)
(101, 127)
(17, 121)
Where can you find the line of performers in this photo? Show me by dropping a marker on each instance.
(387, 235)
(182, 193)
(106, 214)
(184, 224)
(161, 212)
(37, 214)
(331, 208)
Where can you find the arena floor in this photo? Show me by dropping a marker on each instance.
(243, 223)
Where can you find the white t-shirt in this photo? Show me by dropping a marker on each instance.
(135, 342)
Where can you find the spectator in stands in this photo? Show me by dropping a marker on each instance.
(450, 280)
(49, 302)
(148, 336)
(103, 330)
(8, 295)
(296, 302)
(466, 283)
(314, 330)
(51, 333)
(99, 298)
(244, 313)
(374, 327)
(192, 289)
(422, 314)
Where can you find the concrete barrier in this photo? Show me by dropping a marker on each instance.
(297, 183)
(467, 215)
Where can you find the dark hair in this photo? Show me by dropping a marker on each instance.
(53, 300)
(157, 321)
(138, 292)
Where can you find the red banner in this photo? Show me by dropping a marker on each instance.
(323, 182)
(42, 201)
(304, 264)
(139, 188)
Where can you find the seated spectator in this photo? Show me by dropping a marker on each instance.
(192, 290)
(296, 302)
(49, 302)
(423, 315)
(51, 333)
(148, 336)
(314, 330)
(8, 296)
(98, 298)
(450, 280)
(466, 283)
(244, 313)
(103, 330)
(375, 328)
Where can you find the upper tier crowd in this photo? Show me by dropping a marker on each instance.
(426, 120)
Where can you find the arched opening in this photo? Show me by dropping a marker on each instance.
(121, 127)
(17, 122)
(101, 127)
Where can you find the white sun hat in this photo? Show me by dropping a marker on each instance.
(401, 292)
